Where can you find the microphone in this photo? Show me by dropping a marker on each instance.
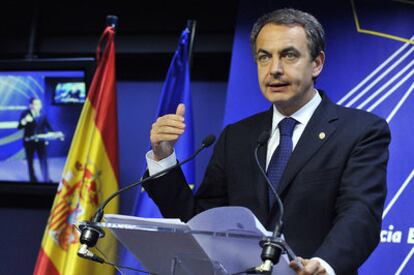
(261, 141)
(272, 248)
(263, 138)
(90, 233)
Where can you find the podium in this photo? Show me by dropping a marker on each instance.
(219, 241)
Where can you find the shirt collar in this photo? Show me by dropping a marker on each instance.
(302, 116)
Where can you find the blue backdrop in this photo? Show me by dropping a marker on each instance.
(369, 65)
(16, 88)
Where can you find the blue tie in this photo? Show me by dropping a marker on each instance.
(281, 155)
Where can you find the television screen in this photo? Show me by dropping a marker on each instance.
(67, 90)
(40, 103)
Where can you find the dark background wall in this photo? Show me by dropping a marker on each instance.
(146, 39)
(147, 34)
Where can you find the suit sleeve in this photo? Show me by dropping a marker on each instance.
(20, 125)
(360, 202)
(175, 199)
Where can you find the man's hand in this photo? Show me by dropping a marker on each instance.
(165, 132)
(310, 267)
(27, 119)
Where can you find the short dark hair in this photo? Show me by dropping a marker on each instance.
(33, 99)
(291, 17)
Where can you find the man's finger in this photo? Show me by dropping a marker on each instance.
(311, 267)
(180, 110)
(168, 130)
(164, 137)
(297, 264)
(172, 117)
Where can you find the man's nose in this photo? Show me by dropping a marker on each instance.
(276, 67)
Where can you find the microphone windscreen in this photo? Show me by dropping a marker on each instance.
(208, 141)
(263, 138)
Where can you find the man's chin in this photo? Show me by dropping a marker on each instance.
(278, 99)
(282, 102)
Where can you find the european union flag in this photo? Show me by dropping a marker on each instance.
(176, 90)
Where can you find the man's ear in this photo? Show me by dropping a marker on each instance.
(317, 64)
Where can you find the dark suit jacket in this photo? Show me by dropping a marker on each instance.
(333, 188)
(39, 125)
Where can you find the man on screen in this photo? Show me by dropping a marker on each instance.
(333, 170)
(34, 122)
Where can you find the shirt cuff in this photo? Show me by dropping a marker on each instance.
(329, 270)
(157, 166)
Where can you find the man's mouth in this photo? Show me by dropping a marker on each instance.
(277, 84)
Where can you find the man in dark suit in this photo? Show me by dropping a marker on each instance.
(34, 122)
(333, 184)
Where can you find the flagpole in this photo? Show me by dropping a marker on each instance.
(191, 25)
(112, 21)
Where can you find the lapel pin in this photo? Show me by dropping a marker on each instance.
(322, 135)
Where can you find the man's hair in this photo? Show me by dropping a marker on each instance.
(291, 17)
(33, 99)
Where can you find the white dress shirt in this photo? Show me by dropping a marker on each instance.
(302, 116)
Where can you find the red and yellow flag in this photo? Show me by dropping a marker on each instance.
(90, 174)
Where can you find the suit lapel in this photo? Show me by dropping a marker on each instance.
(262, 125)
(318, 131)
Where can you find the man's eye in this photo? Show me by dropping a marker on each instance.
(290, 56)
(263, 58)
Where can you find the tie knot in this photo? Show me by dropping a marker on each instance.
(286, 126)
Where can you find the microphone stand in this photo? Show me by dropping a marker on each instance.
(91, 232)
(272, 246)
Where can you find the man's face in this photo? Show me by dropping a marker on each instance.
(285, 67)
(36, 105)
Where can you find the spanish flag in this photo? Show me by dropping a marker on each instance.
(90, 174)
